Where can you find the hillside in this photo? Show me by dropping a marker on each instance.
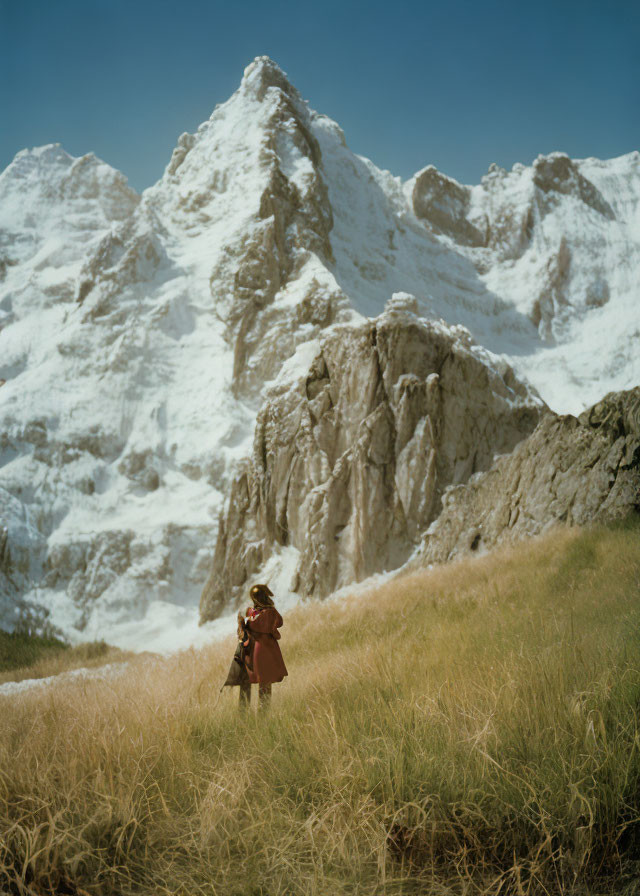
(470, 728)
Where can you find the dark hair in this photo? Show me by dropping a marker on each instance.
(261, 595)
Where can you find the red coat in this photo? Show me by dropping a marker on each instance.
(268, 665)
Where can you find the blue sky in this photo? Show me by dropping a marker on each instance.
(455, 84)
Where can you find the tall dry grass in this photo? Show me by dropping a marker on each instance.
(468, 729)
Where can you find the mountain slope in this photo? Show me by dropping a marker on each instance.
(138, 332)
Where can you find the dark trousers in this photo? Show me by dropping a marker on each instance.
(264, 695)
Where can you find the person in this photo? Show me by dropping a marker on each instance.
(262, 655)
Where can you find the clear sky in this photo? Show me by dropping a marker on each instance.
(455, 83)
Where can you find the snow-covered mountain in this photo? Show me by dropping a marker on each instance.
(138, 334)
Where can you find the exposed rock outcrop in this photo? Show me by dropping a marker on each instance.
(350, 461)
(444, 203)
(557, 175)
(574, 470)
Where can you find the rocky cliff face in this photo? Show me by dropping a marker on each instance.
(349, 463)
(571, 470)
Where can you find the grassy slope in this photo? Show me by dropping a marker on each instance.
(25, 656)
(19, 649)
(469, 729)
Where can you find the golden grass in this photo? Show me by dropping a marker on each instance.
(468, 729)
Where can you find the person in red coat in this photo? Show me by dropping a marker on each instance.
(263, 658)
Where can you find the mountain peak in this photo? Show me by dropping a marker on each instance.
(27, 161)
(263, 73)
(46, 192)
